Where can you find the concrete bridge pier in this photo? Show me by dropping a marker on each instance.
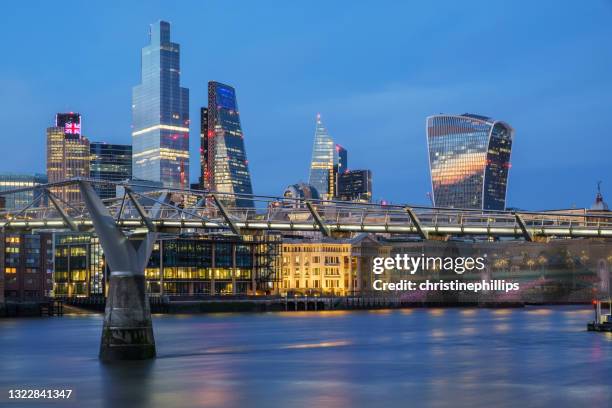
(127, 333)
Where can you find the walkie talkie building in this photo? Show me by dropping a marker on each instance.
(469, 160)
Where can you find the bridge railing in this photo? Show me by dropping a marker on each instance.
(206, 209)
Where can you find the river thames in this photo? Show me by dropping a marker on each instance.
(533, 356)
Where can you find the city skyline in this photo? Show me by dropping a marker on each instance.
(556, 91)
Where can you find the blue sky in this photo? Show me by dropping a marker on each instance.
(374, 70)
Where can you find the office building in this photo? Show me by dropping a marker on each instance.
(341, 162)
(225, 167)
(78, 266)
(27, 265)
(160, 114)
(469, 160)
(214, 266)
(355, 185)
(109, 162)
(204, 174)
(323, 163)
(16, 201)
(67, 155)
(187, 266)
(340, 166)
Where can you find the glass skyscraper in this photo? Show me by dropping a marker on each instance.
(109, 162)
(224, 162)
(340, 166)
(469, 160)
(160, 114)
(342, 159)
(324, 159)
(204, 175)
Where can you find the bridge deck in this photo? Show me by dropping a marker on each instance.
(197, 209)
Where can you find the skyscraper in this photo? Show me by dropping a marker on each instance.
(160, 114)
(204, 175)
(109, 162)
(340, 166)
(355, 185)
(225, 167)
(469, 159)
(67, 155)
(324, 159)
(341, 159)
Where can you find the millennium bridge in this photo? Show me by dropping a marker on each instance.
(128, 226)
(171, 210)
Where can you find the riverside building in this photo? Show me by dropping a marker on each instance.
(327, 267)
(26, 262)
(178, 267)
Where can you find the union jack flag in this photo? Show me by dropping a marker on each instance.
(72, 128)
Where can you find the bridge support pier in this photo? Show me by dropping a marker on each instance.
(127, 333)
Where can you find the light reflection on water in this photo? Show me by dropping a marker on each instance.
(538, 356)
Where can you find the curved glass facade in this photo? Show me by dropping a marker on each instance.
(160, 114)
(469, 159)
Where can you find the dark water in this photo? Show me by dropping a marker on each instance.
(532, 357)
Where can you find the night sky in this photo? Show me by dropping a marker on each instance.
(373, 69)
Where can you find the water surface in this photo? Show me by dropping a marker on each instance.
(531, 357)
